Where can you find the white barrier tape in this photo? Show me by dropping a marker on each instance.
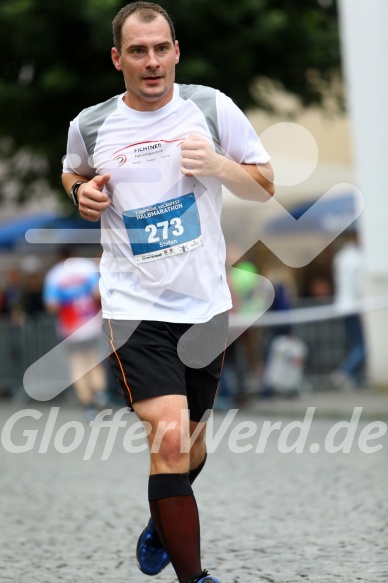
(305, 315)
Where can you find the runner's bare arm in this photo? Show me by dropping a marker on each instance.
(91, 200)
(246, 181)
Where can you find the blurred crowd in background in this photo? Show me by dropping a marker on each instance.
(41, 303)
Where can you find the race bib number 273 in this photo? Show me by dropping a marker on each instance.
(164, 229)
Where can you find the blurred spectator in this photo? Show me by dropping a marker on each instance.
(285, 292)
(11, 294)
(320, 288)
(32, 295)
(284, 353)
(242, 365)
(71, 292)
(32, 289)
(347, 275)
(11, 311)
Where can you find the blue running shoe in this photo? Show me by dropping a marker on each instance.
(151, 556)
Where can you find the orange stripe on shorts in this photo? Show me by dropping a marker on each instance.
(119, 361)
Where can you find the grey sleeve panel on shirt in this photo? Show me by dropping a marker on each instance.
(92, 118)
(205, 99)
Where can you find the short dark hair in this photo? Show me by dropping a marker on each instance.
(146, 11)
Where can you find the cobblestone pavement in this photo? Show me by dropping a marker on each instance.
(265, 517)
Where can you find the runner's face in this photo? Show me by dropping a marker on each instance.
(147, 60)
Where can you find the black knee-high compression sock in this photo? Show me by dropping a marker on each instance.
(193, 474)
(175, 515)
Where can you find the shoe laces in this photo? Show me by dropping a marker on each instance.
(153, 540)
(198, 577)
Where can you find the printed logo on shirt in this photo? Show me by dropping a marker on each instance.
(145, 151)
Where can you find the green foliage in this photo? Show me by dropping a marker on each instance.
(55, 58)
(247, 40)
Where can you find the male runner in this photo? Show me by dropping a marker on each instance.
(151, 163)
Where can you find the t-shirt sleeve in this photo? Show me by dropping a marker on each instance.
(77, 158)
(51, 293)
(237, 136)
(93, 281)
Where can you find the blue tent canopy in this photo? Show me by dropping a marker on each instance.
(13, 231)
(327, 217)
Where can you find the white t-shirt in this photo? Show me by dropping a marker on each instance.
(163, 248)
(71, 285)
(347, 272)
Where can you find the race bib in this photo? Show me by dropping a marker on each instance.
(164, 229)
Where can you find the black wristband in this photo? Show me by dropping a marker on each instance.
(74, 190)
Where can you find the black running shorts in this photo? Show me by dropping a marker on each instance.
(151, 359)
